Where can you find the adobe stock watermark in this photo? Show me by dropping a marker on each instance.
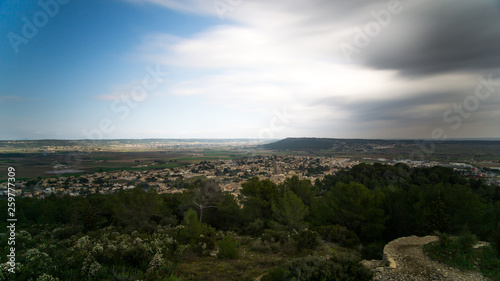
(121, 108)
(453, 116)
(371, 29)
(278, 123)
(463, 110)
(30, 28)
(222, 7)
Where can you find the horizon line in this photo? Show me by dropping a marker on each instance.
(354, 138)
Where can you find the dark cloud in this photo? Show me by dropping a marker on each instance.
(425, 38)
(422, 108)
(439, 36)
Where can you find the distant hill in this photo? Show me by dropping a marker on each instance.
(302, 144)
(325, 143)
(467, 146)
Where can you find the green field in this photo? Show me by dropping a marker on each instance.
(32, 165)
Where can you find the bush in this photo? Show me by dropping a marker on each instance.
(496, 240)
(255, 228)
(490, 263)
(35, 262)
(123, 272)
(337, 268)
(306, 240)
(193, 228)
(444, 240)
(272, 236)
(276, 274)
(244, 240)
(466, 241)
(227, 248)
(265, 247)
(485, 257)
(207, 240)
(339, 234)
(66, 232)
(138, 255)
(373, 251)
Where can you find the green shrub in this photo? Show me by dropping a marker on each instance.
(444, 240)
(228, 248)
(264, 247)
(339, 234)
(66, 232)
(337, 268)
(192, 227)
(255, 228)
(466, 241)
(276, 274)
(162, 271)
(373, 251)
(35, 263)
(122, 273)
(490, 263)
(451, 255)
(138, 255)
(496, 240)
(204, 242)
(244, 240)
(200, 238)
(172, 278)
(272, 236)
(485, 257)
(306, 240)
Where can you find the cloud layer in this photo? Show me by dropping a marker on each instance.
(407, 67)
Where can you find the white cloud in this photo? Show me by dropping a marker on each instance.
(112, 96)
(286, 53)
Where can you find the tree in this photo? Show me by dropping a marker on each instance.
(449, 208)
(207, 194)
(228, 213)
(301, 188)
(259, 197)
(137, 209)
(193, 226)
(290, 211)
(353, 206)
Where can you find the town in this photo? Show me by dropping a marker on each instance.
(229, 173)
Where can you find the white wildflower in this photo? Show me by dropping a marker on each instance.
(97, 248)
(81, 243)
(24, 234)
(156, 262)
(94, 268)
(46, 277)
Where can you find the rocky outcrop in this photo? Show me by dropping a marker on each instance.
(405, 260)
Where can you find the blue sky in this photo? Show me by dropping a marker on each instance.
(251, 70)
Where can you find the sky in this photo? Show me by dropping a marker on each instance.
(112, 69)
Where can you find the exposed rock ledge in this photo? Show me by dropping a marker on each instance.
(404, 260)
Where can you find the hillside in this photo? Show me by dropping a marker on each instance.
(318, 143)
(451, 149)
